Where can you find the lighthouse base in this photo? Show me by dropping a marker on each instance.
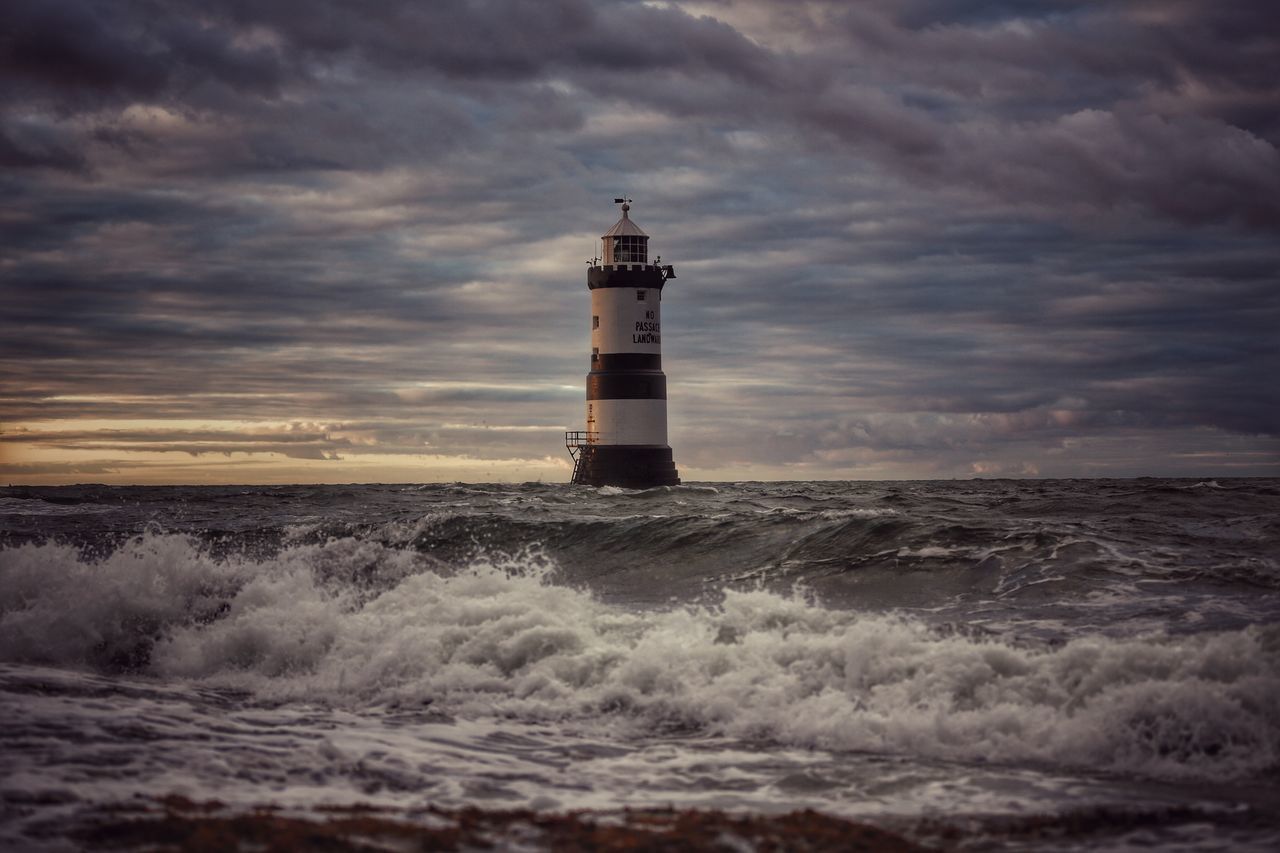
(628, 466)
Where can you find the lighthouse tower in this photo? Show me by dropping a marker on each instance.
(625, 442)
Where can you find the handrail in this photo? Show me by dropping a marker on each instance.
(580, 437)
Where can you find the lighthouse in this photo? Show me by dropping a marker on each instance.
(625, 442)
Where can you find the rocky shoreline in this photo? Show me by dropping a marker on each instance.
(178, 824)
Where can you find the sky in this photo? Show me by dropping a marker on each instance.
(323, 242)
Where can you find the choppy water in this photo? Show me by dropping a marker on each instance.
(964, 652)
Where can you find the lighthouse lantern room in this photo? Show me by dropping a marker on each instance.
(625, 442)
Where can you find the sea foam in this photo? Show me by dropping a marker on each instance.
(359, 624)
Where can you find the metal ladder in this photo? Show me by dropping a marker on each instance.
(574, 441)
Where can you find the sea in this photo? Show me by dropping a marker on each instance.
(986, 664)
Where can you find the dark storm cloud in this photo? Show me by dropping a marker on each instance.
(33, 144)
(79, 55)
(1143, 93)
(944, 234)
(1101, 105)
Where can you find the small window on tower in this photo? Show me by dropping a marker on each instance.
(639, 296)
(595, 321)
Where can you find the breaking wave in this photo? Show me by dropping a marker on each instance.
(357, 623)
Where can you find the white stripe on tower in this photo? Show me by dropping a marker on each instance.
(631, 406)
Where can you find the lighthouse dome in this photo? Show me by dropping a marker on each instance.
(625, 242)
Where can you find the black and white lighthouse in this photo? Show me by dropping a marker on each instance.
(625, 442)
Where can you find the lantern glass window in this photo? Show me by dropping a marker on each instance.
(630, 250)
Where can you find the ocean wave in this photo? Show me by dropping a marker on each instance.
(857, 512)
(656, 491)
(39, 507)
(850, 541)
(356, 623)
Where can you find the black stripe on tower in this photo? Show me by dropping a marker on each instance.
(626, 386)
(627, 465)
(638, 276)
(609, 362)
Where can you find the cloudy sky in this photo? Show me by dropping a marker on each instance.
(282, 241)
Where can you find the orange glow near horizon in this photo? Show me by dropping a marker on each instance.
(27, 459)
